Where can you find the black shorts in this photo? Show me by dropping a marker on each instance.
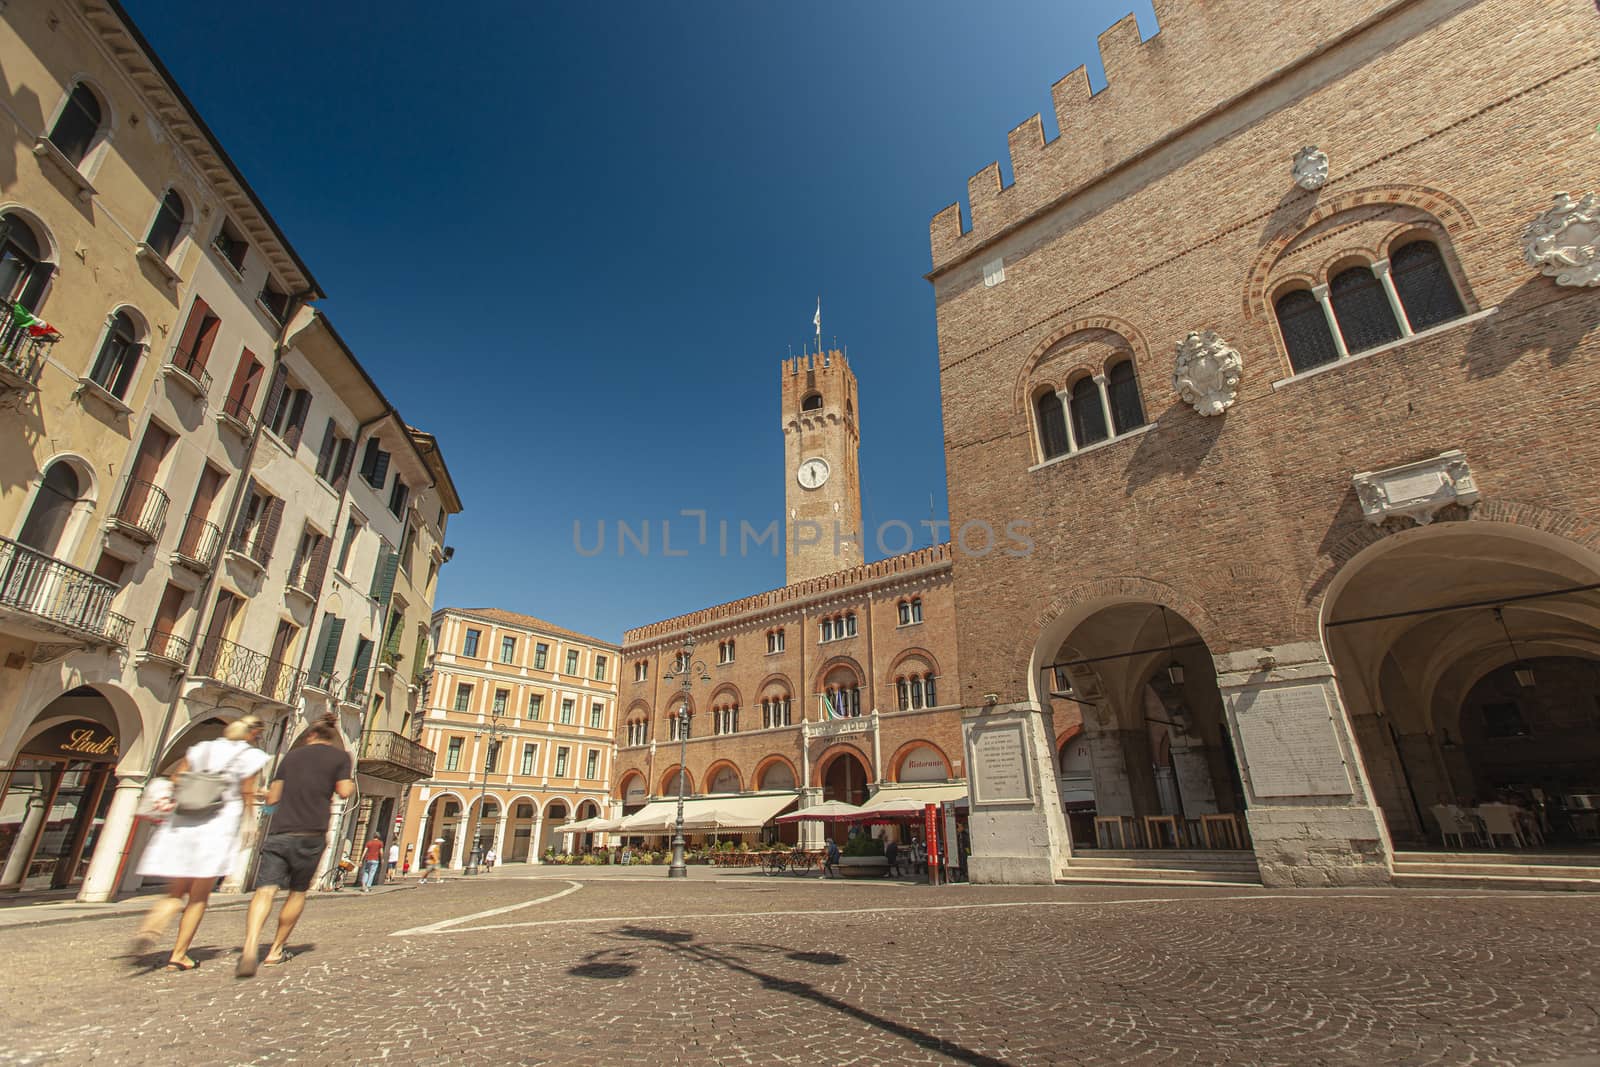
(289, 861)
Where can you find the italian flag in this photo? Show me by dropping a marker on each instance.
(22, 318)
(827, 707)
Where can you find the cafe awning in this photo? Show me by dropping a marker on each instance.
(588, 826)
(908, 800)
(708, 813)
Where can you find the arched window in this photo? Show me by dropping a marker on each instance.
(1088, 416)
(1126, 411)
(23, 270)
(1052, 425)
(812, 403)
(119, 355)
(58, 494)
(79, 122)
(1362, 309)
(1423, 284)
(1305, 331)
(163, 236)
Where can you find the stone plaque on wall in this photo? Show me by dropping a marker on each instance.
(1290, 747)
(998, 765)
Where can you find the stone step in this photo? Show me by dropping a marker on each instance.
(1155, 877)
(1090, 859)
(1500, 870)
(1519, 858)
(1201, 855)
(1496, 881)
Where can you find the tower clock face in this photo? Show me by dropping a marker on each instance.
(812, 473)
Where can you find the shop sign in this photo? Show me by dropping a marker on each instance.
(923, 764)
(75, 740)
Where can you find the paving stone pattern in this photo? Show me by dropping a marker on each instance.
(733, 971)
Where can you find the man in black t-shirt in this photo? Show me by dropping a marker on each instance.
(301, 796)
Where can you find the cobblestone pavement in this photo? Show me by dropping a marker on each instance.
(599, 969)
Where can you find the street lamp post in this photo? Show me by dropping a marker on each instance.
(687, 668)
(495, 731)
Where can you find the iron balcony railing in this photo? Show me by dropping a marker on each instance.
(322, 681)
(142, 514)
(36, 584)
(254, 540)
(118, 628)
(247, 670)
(199, 544)
(192, 367)
(237, 410)
(167, 646)
(355, 690)
(391, 756)
(21, 354)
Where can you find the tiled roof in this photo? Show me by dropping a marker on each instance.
(529, 622)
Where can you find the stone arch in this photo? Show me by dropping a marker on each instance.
(126, 720)
(669, 782)
(1043, 632)
(758, 778)
(716, 769)
(621, 792)
(897, 760)
(779, 680)
(835, 751)
(834, 662)
(727, 689)
(639, 707)
(1022, 393)
(915, 652)
(1449, 213)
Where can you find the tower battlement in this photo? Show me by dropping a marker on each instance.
(827, 374)
(1207, 54)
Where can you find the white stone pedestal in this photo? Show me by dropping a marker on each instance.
(1018, 832)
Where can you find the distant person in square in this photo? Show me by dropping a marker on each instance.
(302, 794)
(371, 859)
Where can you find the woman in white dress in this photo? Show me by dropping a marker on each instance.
(193, 851)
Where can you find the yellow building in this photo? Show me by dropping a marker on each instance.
(521, 718)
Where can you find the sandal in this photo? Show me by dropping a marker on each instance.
(185, 964)
(283, 957)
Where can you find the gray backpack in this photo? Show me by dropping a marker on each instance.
(202, 792)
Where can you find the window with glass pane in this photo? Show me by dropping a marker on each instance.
(566, 712)
(163, 235)
(469, 644)
(500, 698)
(1088, 416)
(1362, 310)
(572, 661)
(600, 668)
(452, 755)
(1305, 331)
(508, 649)
(561, 763)
(463, 696)
(527, 758)
(592, 770)
(929, 693)
(77, 125)
(1424, 286)
(597, 715)
(1052, 422)
(541, 653)
(1127, 413)
(119, 354)
(535, 706)
(23, 273)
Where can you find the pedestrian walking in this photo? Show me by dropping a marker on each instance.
(430, 862)
(830, 867)
(371, 857)
(214, 785)
(302, 795)
(394, 857)
(489, 860)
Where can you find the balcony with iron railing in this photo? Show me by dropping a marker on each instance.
(198, 547)
(142, 512)
(40, 593)
(232, 666)
(189, 370)
(394, 757)
(167, 647)
(21, 353)
(307, 571)
(253, 540)
(236, 414)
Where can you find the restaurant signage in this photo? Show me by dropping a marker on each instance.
(75, 740)
(923, 764)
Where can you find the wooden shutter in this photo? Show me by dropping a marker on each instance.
(269, 531)
(358, 668)
(298, 411)
(380, 470)
(347, 455)
(383, 576)
(318, 567)
(419, 661)
(189, 339)
(280, 382)
(328, 647)
(325, 453)
(241, 521)
(242, 393)
(369, 459)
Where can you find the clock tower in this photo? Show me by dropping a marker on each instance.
(822, 498)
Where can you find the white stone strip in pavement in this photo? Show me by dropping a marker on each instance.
(445, 924)
(444, 927)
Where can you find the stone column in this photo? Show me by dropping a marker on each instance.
(16, 868)
(1113, 792)
(535, 846)
(810, 836)
(1191, 765)
(1309, 806)
(500, 836)
(1321, 293)
(1381, 269)
(1018, 830)
(459, 848)
(116, 835)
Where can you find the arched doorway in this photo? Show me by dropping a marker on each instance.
(1468, 657)
(556, 812)
(844, 777)
(483, 820)
(443, 823)
(55, 794)
(519, 832)
(1154, 764)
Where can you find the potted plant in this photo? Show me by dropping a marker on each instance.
(862, 857)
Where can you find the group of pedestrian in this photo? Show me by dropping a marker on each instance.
(196, 840)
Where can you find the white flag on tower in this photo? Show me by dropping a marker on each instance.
(816, 320)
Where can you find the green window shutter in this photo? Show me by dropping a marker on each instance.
(383, 576)
(332, 633)
(419, 661)
(358, 669)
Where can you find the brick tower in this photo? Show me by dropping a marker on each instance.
(822, 513)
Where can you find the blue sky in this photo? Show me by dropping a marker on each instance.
(574, 241)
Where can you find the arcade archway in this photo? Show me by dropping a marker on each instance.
(1468, 657)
